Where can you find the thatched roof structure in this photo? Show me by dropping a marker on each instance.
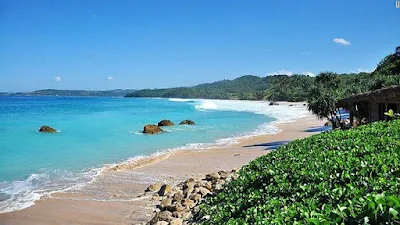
(382, 95)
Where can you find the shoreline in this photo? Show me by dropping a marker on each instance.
(118, 191)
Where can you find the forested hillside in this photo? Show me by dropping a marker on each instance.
(286, 88)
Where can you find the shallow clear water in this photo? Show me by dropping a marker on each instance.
(97, 131)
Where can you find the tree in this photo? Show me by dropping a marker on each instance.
(324, 95)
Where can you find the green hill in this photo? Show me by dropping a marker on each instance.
(246, 87)
(282, 87)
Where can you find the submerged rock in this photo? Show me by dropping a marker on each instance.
(47, 129)
(273, 103)
(165, 123)
(187, 122)
(151, 129)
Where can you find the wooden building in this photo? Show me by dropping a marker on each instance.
(371, 106)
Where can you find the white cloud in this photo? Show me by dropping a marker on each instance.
(57, 79)
(311, 74)
(281, 72)
(341, 41)
(110, 78)
(362, 71)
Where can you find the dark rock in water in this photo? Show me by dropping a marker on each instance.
(291, 105)
(165, 123)
(47, 129)
(273, 103)
(188, 122)
(328, 123)
(151, 129)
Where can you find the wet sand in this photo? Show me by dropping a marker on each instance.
(113, 197)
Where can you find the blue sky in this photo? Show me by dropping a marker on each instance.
(108, 44)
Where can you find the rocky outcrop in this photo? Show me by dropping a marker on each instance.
(187, 122)
(151, 129)
(165, 123)
(273, 103)
(47, 129)
(180, 204)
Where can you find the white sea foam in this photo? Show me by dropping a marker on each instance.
(206, 105)
(22, 194)
(180, 100)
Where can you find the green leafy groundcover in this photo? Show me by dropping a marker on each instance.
(338, 177)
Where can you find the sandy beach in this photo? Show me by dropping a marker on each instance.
(112, 198)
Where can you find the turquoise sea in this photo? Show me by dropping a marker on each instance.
(94, 132)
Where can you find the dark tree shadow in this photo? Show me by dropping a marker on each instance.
(319, 129)
(270, 145)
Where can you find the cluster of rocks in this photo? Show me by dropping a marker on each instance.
(178, 204)
(154, 129)
(47, 129)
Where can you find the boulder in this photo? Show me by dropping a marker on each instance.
(178, 196)
(328, 123)
(273, 103)
(164, 190)
(204, 191)
(154, 187)
(223, 174)
(166, 202)
(161, 216)
(162, 223)
(187, 122)
(188, 203)
(47, 129)
(151, 129)
(196, 197)
(209, 185)
(165, 123)
(186, 215)
(177, 221)
(188, 191)
(212, 177)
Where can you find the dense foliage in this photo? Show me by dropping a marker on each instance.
(338, 177)
(289, 88)
(328, 87)
(278, 87)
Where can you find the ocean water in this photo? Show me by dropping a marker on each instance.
(95, 132)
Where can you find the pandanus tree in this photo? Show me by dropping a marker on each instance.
(324, 95)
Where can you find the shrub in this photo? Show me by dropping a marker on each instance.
(338, 177)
